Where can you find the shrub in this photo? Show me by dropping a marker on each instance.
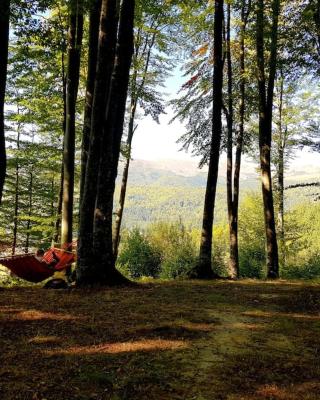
(177, 248)
(138, 257)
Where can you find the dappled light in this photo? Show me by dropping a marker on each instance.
(122, 347)
(210, 339)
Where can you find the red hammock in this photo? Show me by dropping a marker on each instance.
(27, 267)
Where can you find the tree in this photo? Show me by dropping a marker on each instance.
(86, 273)
(4, 43)
(233, 182)
(203, 269)
(75, 33)
(266, 92)
(150, 66)
(96, 263)
(94, 16)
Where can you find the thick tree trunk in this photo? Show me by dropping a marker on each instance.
(74, 50)
(92, 64)
(86, 270)
(113, 130)
(203, 269)
(265, 132)
(4, 43)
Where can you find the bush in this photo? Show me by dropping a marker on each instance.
(138, 257)
(177, 248)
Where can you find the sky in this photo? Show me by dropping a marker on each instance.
(154, 141)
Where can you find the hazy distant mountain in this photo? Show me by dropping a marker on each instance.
(169, 190)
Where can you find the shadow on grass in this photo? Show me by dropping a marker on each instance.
(185, 340)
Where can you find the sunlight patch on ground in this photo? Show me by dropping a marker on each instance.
(122, 347)
(43, 339)
(294, 392)
(34, 315)
(265, 314)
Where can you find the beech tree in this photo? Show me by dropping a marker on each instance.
(150, 67)
(4, 43)
(75, 33)
(266, 93)
(233, 167)
(96, 263)
(204, 268)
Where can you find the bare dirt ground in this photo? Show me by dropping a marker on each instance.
(179, 340)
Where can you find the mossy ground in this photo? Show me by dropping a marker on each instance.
(178, 340)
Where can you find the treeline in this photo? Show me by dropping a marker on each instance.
(169, 249)
(77, 74)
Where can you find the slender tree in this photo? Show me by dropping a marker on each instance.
(204, 269)
(75, 33)
(4, 43)
(233, 182)
(266, 92)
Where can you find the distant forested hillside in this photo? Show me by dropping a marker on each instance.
(160, 192)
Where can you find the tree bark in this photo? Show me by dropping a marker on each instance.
(91, 74)
(86, 271)
(4, 44)
(280, 173)
(16, 195)
(113, 130)
(265, 131)
(204, 269)
(30, 205)
(233, 205)
(233, 259)
(124, 181)
(74, 51)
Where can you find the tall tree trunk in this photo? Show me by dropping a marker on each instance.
(56, 236)
(265, 131)
(233, 260)
(204, 269)
(4, 43)
(234, 207)
(57, 230)
(30, 205)
(280, 173)
(113, 130)
(86, 273)
(92, 64)
(74, 51)
(135, 95)
(123, 189)
(16, 195)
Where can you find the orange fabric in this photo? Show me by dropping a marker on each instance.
(29, 268)
(65, 258)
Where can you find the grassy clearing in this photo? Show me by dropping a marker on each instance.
(175, 340)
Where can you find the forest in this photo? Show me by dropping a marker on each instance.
(168, 286)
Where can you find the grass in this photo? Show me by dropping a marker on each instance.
(171, 340)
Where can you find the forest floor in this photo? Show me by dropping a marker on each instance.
(174, 340)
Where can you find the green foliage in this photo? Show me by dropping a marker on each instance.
(177, 248)
(165, 250)
(251, 237)
(138, 257)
